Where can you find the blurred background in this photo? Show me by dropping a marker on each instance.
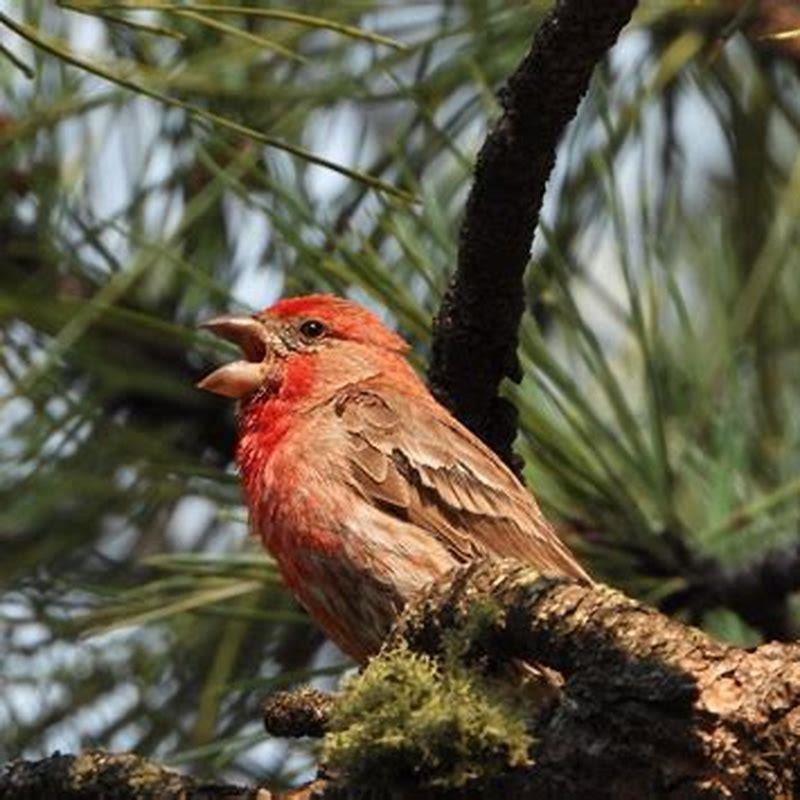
(162, 162)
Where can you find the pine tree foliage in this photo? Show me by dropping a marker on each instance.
(162, 162)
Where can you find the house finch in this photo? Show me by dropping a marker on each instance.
(362, 487)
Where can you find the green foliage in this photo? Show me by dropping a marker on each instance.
(407, 719)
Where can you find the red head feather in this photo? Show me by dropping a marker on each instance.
(344, 319)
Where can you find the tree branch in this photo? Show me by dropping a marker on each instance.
(96, 774)
(758, 591)
(643, 706)
(475, 333)
(648, 707)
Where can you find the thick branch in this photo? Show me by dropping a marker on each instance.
(114, 776)
(649, 707)
(475, 339)
(643, 706)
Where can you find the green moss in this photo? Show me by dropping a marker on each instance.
(406, 720)
(482, 616)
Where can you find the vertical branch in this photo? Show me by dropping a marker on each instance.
(475, 335)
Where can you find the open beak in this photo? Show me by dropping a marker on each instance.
(242, 377)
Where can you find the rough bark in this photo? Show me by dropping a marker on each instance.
(302, 712)
(649, 707)
(475, 334)
(120, 776)
(97, 775)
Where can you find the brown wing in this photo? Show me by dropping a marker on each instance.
(412, 458)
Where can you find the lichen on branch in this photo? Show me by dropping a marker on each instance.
(410, 720)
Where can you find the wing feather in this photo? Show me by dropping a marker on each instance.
(407, 456)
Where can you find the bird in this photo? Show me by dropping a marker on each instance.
(361, 485)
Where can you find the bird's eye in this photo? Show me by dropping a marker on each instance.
(312, 329)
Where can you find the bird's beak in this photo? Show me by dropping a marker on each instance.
(239, 378)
